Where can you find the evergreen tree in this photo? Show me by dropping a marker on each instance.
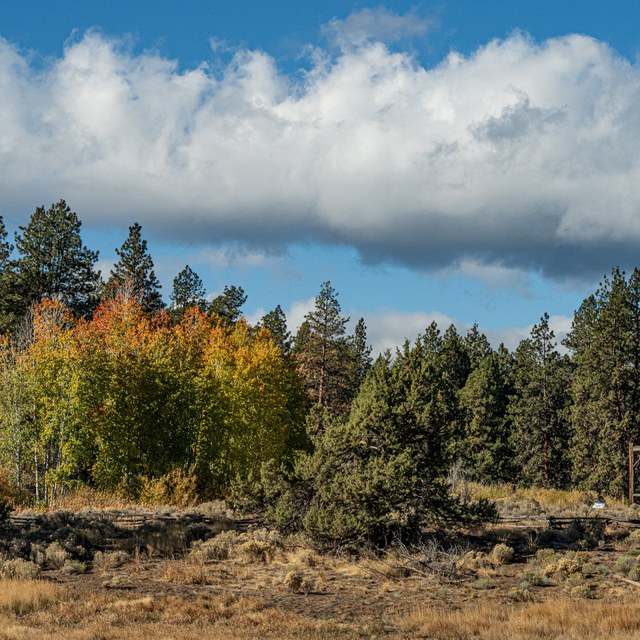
(188, 291)
(478, 347)
(486, 452)
(381, 474)
(9, 300)
(276, 323)
(323, 355)
(361, 355)
(539, 410)
(228, 304)
(453, 361)
(604, 340)
(54, 262)
(134, 272)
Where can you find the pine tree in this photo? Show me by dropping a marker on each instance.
(478, 347)
(486, 452)
(539, 410)
(322, 352)
(605, 343)
(228, 304)
(54, 262)
(10, 307)
(361, 355)
(276, 323)
(188, 291)
(380, 475)
(134, 272)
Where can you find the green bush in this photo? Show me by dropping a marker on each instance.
(379, 476)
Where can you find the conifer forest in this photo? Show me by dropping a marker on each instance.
(104, 384)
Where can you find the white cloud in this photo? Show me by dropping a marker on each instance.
(388, 329)
(494, 275)
(227, 256)
(375, 24)
(296, 313)
(520, 156)
(512, 336)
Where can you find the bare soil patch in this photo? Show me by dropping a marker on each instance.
(224, 579)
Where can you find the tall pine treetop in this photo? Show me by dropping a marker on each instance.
(134, 270)
(323, 353)
(54, 262)
(276, 322)
(188, 290)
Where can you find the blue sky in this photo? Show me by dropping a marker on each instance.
(453, 161)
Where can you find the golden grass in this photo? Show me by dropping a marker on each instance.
(551, 500)
(25, 596)
(186, 571)
(564, 618)
(215, 617)
(87, 498)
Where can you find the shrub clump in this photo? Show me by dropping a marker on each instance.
(381, 475)
(296, 581)
(19, 569)
(502, 554)
(255, 546)
(109, 559)
(56, 555)
(74, 567)
(625, 564)
(176, 488)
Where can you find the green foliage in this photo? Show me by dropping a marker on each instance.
(324, 356)
(486, 451)
(188, 291)
(227, 305)
(128, 402)
(381, 473)
(53, 262)
(276, 323)
(134, 273)
(10, 303)
(361, 355)
(539, 410)
(605, 343)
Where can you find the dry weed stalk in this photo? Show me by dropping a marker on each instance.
(427, 560)
(565, 618)
(24, 596)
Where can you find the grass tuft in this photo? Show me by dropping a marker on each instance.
(25, 596)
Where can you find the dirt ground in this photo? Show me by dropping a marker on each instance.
(256, 584)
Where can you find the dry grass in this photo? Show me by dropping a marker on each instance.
(86, 498)
(565, 618)
(206, 617)
(188, 571)
(110, 559)
(534, 501)
(258, 584)
(25, 596)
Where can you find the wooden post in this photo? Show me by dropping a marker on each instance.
(631, 474)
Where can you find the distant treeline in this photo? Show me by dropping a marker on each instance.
(102, 385)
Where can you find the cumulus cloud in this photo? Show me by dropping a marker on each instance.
(520, 156)
(375, 24)
(229, 255)
(389, 329)
(296, 313)
(512, 336)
